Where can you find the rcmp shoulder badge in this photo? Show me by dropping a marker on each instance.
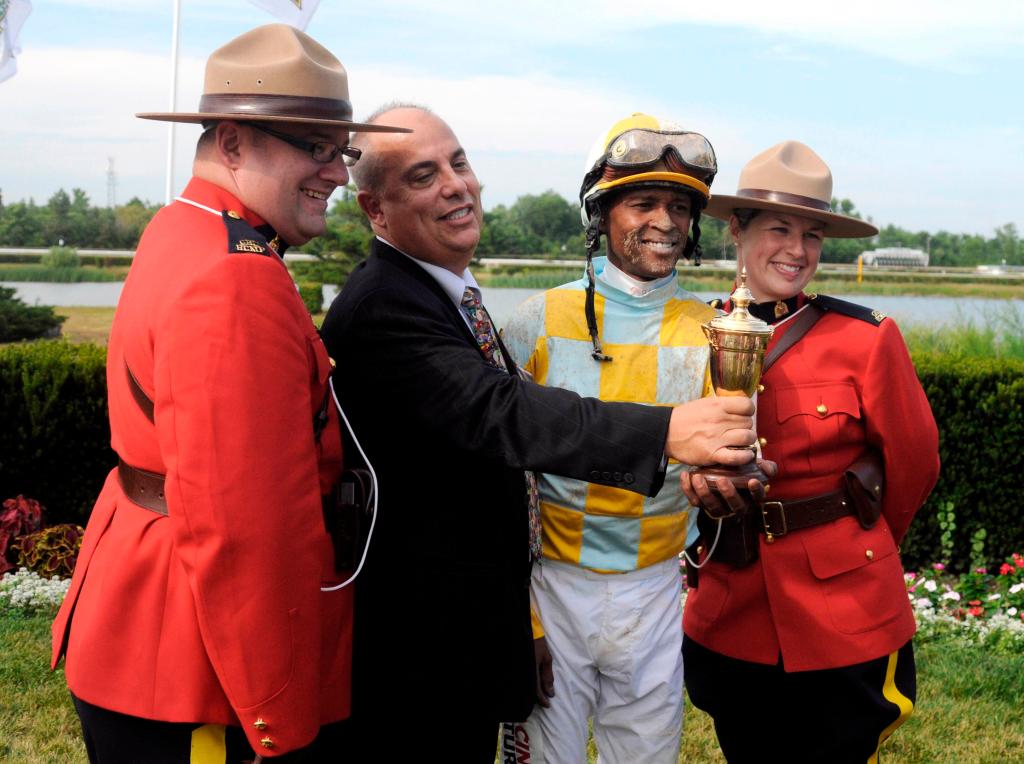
(242, 237)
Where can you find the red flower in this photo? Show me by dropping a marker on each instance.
(975, 611)
(1006, 569)
(1018, 560)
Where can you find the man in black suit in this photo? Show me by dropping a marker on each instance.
(443, 644)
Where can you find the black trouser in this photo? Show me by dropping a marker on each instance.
(764, 713)
(449, 732)
(115, 738)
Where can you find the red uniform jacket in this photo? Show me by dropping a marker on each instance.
(832, 595)
(214, 613)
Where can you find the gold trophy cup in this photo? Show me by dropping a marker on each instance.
(738, 342)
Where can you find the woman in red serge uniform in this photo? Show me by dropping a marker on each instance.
(804, 653)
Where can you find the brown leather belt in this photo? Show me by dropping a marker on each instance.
(737, 544)
(777, 518)
(142, 488)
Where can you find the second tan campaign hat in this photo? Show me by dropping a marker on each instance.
(789, 177)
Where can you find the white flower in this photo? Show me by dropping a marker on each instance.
(1017, 587)
(930, 586)
(1011, 611)
(29, 591)
(995, 596)
(924, 603)
(951, 595)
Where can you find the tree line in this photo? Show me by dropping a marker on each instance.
(539, 225)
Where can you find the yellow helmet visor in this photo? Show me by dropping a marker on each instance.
(652, 177)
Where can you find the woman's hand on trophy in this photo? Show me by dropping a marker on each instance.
(723, 498)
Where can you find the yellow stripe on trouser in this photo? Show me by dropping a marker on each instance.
(208, 746)
(892, 693)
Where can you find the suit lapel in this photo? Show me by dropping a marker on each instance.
(392, 256)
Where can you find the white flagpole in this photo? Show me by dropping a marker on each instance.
(174, 103)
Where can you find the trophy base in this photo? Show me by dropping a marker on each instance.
(717, 474)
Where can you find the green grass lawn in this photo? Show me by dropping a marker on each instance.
(969, 707)
(86, 324)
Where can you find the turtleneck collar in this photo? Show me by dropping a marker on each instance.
(617, 285)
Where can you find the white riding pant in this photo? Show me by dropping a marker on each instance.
(616, 642)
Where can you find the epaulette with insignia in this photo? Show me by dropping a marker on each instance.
(242, 237)
(845, 308)
(716, 303)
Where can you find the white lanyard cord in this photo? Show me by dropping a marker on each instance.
(711, 551)
(211, 210)
(374, 495)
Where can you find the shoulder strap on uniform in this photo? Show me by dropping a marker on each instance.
(801, 324)
(716, 302)
(144, 401)
(845, 308)
(242, 237)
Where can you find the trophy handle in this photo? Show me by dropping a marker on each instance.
(710, 334)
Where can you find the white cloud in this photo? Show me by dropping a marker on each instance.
(68, 110)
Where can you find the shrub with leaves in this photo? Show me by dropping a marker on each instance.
(51, 551)
(312, 294)
(61, 257)
(55, 439)
(19, 321)
(20, 516)
(978, 404)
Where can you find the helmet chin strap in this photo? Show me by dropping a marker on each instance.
(693, 248)
(593, 241)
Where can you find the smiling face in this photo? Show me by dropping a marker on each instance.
(283, 185)
(427, 203)
(646, 231)
(780, 251)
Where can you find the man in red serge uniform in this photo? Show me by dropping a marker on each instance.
(195, 628)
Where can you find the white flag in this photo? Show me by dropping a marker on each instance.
(297, 13)
(12, 15)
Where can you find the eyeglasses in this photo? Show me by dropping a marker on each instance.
(641, 147)
(321, 151)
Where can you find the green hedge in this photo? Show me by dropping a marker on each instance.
(54, 442)
(979, 406)
(54, 435)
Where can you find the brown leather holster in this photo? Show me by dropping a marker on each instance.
(865, 481)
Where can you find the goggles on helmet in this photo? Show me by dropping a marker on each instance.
(640, 147)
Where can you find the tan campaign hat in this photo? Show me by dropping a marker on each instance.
(789, 177)
(275, 73)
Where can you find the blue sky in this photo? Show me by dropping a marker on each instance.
(916, 106)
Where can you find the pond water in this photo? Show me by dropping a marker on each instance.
(501, 302)
(904, 310)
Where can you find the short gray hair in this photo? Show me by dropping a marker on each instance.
(368, 173)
